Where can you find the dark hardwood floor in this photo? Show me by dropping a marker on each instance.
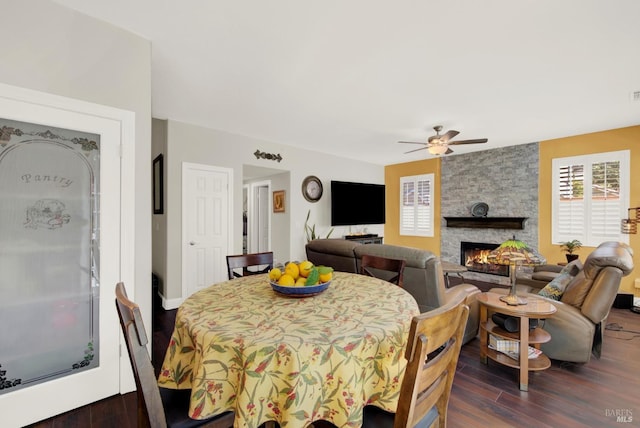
(565, 395)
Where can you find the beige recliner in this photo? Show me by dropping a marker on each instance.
(577, 326)
(423, 276)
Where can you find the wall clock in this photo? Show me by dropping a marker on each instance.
(312, 188)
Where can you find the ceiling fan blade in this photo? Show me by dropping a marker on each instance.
(476, 141)
(415, 150)
(410, 142)
(448, 135)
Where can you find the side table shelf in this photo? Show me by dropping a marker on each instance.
(536, 337)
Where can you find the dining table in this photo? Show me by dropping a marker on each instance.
(240, 345)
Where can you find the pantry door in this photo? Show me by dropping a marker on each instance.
(60, 235)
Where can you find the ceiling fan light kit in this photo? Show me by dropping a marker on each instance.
(437, 149)
(439, 144)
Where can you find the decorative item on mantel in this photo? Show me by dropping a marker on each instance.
(514, 252)
(629, 226)
(479, 209)
(270, 156)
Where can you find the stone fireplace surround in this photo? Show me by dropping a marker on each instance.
(507, 180)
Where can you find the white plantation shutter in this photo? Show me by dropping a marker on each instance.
(590, 196)
(571, 210)
(416, 205)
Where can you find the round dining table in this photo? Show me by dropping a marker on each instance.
(241, 346)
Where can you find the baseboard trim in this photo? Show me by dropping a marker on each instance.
(170, 304)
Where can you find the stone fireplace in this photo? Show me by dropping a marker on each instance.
(474, 256)
(506, 179)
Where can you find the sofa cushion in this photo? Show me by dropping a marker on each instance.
(577, 290)
(337, 253)
(338, 247)
(556, 287)
(414, 257)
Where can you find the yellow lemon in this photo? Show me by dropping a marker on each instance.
(305, 268)
(325, 277)
(301, 282)
(286, 280)
(275, 274)
(292, 269)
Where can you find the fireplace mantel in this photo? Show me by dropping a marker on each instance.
(487, 222)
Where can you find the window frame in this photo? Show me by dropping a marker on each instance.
(415, 230)
(586, 236)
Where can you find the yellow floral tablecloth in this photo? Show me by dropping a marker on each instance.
(241, 346)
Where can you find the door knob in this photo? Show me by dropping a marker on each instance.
(192, 243)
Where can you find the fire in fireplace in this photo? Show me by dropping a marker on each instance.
(473, 255)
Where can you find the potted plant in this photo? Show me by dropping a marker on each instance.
(570, 247)
(310, 230)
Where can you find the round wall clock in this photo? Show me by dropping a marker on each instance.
(312, 188)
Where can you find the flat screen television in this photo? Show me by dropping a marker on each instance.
(357, 203)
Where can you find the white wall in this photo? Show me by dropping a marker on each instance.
(159, 224)
(52, 49)
(191, 143)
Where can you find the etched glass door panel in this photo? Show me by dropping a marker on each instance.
(49, 238)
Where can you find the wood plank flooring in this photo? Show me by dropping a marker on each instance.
(565, 395)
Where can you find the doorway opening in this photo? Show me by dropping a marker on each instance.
(265, 230)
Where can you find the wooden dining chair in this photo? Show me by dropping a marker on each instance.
(157, 407)
(390, 270)
(433, 348)
(244, 261)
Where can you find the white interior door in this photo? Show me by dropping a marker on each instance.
(60, 234)
(260, 237)
(206, 225)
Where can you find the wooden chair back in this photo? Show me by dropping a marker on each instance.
(150, 408)
(373, 265)
(244, 261)
(432, 354)
(157, 407)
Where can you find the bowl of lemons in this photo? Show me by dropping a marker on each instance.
(301, 279)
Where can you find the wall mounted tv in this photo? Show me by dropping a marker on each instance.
(357, 203)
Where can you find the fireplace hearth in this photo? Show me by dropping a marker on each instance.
(473, 255)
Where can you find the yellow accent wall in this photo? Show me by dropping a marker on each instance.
(597, 142)
(392, 174)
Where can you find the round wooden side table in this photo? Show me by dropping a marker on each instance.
(536, 308)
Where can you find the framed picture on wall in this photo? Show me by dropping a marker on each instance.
(278, 201)
(158, 185)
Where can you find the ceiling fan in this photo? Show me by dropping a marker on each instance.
(439, 144)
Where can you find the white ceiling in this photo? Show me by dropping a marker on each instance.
(353, 77)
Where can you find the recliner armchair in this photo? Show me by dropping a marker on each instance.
(577, 326)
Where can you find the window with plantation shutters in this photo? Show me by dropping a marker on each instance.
(590, 197)
(416, 205)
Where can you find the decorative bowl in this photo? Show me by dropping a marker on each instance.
(302, 291)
